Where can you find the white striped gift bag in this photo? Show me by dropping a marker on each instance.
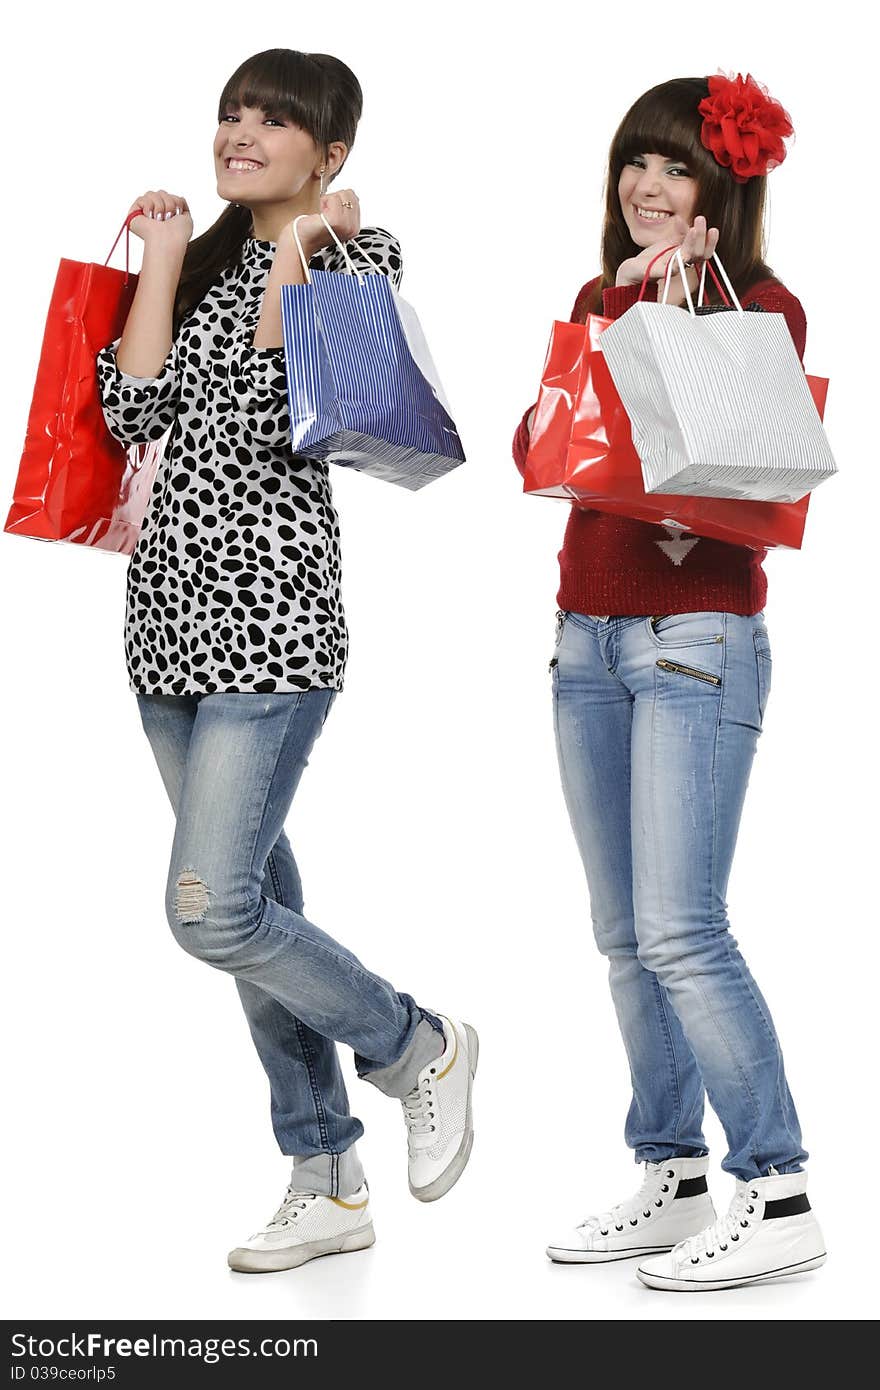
(719, 403)
(362, 388)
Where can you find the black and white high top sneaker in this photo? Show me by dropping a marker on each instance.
(769, 1232)
(672, 1203)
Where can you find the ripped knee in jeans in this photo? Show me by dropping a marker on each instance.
(191, 902)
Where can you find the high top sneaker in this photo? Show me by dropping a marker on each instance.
(673, 1202)
(438, 1114)
(306, 1225)
(768, 1232)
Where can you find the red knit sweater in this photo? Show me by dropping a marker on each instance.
(612, 564)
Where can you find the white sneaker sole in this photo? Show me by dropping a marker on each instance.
(246, 1261)
(560, 1256)
(457, 1164)
(657, 1281)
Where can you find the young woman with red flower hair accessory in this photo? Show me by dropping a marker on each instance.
(661, 675)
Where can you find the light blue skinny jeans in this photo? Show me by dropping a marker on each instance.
(231, 764)
(657, 721)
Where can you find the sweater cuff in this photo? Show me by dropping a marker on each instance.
(619, 298)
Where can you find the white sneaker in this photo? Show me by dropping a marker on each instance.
(673, 1202)
(438, 1117)
(306, 1225)
(768, 1232)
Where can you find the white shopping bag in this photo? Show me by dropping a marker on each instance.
(719, 403)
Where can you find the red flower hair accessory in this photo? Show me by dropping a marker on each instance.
(743, 126)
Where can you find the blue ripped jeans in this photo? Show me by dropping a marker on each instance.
(657, 721)
(231, 764)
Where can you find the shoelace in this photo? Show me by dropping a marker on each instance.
(286, 1212)
(418, 1108)
(725, 1231)
(626, 1211)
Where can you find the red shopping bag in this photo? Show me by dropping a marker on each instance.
(584, 452)
(75, 481)
(546, 465)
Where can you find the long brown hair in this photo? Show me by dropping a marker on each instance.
(315, 91)
(665, 121)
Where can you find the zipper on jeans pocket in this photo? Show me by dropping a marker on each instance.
(689, 671)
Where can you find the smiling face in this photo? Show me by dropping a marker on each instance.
(262, 158)
(653, 189)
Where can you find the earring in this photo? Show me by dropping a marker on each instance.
(323, 167)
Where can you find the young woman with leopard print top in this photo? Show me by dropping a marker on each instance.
(236, 644)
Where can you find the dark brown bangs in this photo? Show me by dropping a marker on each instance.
(642, 144)
(283, 84)
(664, 121)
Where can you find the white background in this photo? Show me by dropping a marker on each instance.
(430, 828)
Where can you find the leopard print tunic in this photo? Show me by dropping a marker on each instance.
(234, 583)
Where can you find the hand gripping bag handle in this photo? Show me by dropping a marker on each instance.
(126, 227)
(350, 266)
(706, 265)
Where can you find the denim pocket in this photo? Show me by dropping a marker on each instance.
(672, 630)
(764, 662)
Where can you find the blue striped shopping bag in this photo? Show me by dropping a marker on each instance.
(362, 388)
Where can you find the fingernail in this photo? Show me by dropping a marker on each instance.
(150, 213)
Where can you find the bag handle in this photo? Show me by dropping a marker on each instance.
(726, 279)
(684, 280)
(706, 266)
(349, 264)
(687, 289)
(651, 265)
(126, 227)
(719, 287)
